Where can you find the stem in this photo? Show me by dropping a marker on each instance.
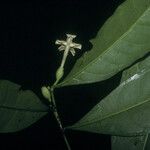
(55, 112)
(61, 68)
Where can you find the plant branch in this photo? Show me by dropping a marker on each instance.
(48, 93)
(55, 112)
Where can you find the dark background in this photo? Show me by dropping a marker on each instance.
(29, 57)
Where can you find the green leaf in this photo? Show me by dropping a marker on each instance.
(18, 109)
(126, 110)
(129, 143)
(123, 39)
(134, 142)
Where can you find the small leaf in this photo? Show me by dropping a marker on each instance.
(123, 39)
(126, 110)
(18, 109)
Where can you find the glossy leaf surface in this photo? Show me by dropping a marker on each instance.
(133, 142)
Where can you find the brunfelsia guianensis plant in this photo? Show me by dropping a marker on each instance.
(122, 44)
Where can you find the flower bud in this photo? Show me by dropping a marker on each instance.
(46, 93)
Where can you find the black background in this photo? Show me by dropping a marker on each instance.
(29, 57)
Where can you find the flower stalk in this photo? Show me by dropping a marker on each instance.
(66, 46)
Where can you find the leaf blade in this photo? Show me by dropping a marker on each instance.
(108, 116)
(18, 109)
(114, 49)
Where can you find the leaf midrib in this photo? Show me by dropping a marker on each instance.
(107, 50)
(116, 113)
